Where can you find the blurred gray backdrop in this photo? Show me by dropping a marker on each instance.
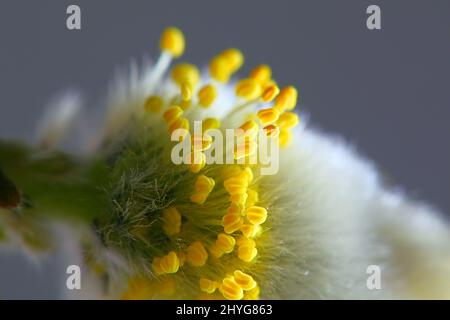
(386, 91)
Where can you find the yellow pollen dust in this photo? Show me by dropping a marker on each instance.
(172, 41)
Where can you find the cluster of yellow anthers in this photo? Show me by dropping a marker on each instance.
(243, 215)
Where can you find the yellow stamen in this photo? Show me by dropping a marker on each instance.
(236, 185)
(207, 95)
(256, 215)
(244, 280)
(225, 243)
(272, 130)
(186, 91)
(253, 197)
(231, 223)
(240, 199)
(234, 57)
(287, 99)
(204, 184)
(249, 128)
(248, 89)
(185, 73)
(247, 249)
(180, 123)
(199, 198)
(172, 221)
(250, 230)
(154, 104)
(198, 161)
(270, 92)
(288, 120)
(156, 266)
(252, 294)
(172, 41)
(172, 114)
(268, 115)
(220, 69)
(196, 254)
(208, 286)
(230, 289)
(285, 137)
(262, 73)
(210, 123)
(170, 263)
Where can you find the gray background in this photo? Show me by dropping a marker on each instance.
(386, 91)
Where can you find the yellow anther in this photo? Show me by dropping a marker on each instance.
(262, 73)
(170, 263)
(247, 250)
(235, 209)
(185, 73)
(198, 161)
(272, 130)
(180, 123)
(244, 280)
(201, 142)
(234, 58)
(253, 197)
(172, 41)
(225, 243)
(248, 148)
(156, 265)
(268, 115)
(215, 251)
(196, 254)
(248, 89)
(248, 129)
(252, 294)
(231, 223)
(270, 92)
(199, 198)
(207, 95)
(285, 137)
(249, 173)
(153, 104)
(172, 114)
(204, 184)
(250, 230)
(208, 286)
(185, 104)
(256, 215)
(219, 69)
(287, 99)
(236, 185)
(230, 171)
(230, 289)
(288, 120)
(172, 221)
(240, 199)
(210, 123)
(186, 91)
